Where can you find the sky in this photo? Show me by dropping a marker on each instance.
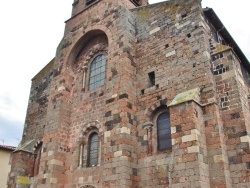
(29, 35)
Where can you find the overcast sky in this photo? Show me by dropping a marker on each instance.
(29, 35)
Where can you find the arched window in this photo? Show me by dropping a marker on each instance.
(164, 131)
(93, 150)
(97, 72)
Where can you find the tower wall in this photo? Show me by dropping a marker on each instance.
(159, 58)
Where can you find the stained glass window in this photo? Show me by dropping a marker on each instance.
(93, 150)
(164, 131)
(97, 72)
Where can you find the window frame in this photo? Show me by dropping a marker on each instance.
(155, 115)
(90, 71)
(89, 151)
(167, 128)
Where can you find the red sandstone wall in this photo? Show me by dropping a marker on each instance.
(171, 39)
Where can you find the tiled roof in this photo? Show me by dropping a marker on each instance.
(11, 148)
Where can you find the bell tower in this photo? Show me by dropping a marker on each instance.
(81, 5)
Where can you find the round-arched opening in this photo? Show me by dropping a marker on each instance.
(92, 39)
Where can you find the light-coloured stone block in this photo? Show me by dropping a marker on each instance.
(118, 154)
(47, 175)
(182, 25)
(219, 158)
(114, 96)
(188, 138)
(171, 53)
(193, 149)
(206, 55)
(211, 100)
(201, 24)
(145, 137)
(90, 179)
(228, 75)
(61, 88)
(245, 139)
(195, 131)
(80, 180)
(106, 134)
(154, 30)
(154, 22)
(50, 153)
(55, 162)
(125, 130)
(173, 130)
(53, 180)
(173, 141)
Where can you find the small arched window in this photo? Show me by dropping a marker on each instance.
(93, 150)
(97, 72)
(164, 131)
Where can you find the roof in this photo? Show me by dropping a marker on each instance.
(10, 148)
(27, 146)
(218, 25)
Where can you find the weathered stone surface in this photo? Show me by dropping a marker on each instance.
(163, 59)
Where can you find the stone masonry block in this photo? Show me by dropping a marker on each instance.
(107, 134)
(125, 130)
(245, 139)
(118, 154)
(193, 149)
(193, 136)
(50, 153)
(53, 180)
(61, 88)
(219, 158)
(173, 130)
(80, 180)
(154, 30)
(55, 162)
(171, 53)
(195, 131)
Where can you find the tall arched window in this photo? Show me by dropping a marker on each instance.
(97, 72)
(93, 150)
(164, 131)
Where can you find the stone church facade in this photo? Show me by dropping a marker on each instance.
(138, 96)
